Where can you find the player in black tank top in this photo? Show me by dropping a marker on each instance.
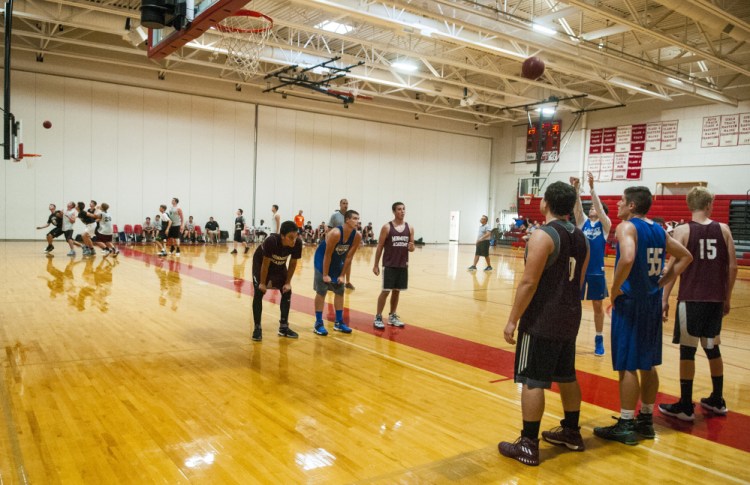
(54, 220)
(548, 305)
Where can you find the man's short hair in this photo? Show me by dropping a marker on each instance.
(275, 207)
(53, 206)
(348, 215)
(560, 198)
(81, 206)
(176, 199)
(699, 198)
(287, 227)
(240, 211)
(93, 202)
(105, 206)
(343, 200)
(148, 218)
(396, 204)
(163, 206)
(640, 197)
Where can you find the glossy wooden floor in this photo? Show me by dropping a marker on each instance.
(143, 371)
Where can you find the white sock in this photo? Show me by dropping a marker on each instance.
(647, 408)
(599, 334)
(627, 413)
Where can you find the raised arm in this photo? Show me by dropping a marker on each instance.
(599, 208)
(578, 209)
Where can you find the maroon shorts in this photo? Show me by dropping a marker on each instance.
(105, 238)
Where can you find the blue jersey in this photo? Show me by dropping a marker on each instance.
(338, 257)
(643, 279)
(594, 232)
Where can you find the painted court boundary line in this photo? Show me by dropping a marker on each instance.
(731, 430)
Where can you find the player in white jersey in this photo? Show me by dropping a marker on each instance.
(104, 233)
(69, 219)
(175, 226)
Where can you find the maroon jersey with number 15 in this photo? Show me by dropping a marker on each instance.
(707, 276)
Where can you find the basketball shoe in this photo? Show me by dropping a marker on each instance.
(287, 332)
(342, 327)
(715, 404)
(378, 322)
(679, 410)
(472, 268)
(570, 437)
(623, 431)
(320, 329)
(644, 425)
(394, 320)
(257, 334)
(525, 450)
(599, 345)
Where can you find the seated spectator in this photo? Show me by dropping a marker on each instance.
(321, 232)
(261, 231)
(368, 234)
(212, 231)
(189, 233)
(309, 233)
(149, 230)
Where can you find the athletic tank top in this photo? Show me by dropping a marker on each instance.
(594, 232)
(174, 216)
(239, 223)
(707, 276)
(105, 224)
(338, 258)
(555, 308)
(396, 249)
(643, 279)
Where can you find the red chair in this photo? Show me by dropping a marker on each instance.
(138, 232)
(198, 233)
(128, 233)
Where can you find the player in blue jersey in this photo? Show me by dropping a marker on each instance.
(636, 298)
(332, 260)
(596, 229)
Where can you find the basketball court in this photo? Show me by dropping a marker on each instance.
(141, 369)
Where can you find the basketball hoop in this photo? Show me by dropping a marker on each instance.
(244, 37)
(22, 155)
(526, 199)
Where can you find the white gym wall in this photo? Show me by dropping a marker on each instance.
(135, 148)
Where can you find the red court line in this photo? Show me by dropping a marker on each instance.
(731, 430)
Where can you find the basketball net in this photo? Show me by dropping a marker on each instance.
(244, 37)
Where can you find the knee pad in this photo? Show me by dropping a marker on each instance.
(713, 353)
(687, 353)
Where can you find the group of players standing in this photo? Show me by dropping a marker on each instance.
(332, 265)
(565, 264)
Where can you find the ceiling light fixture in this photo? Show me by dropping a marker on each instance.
(543, 30)
(406, 66)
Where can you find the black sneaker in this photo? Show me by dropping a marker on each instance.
(524, 450)
(257, 334)
(623, 431)
(683, 412)
(717, 405)
(570, 437)
(644, 425)
(287, 332)
(247, 248)
(49, 248)
(234, 251)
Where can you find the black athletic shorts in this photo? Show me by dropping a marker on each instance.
(698, 322)
(174, 232)
(395, 279)
(483, 248)
(238, 236)
(55, 232)
(540, 362)
(68, 234)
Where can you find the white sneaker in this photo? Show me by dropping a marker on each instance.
(378, 322)
(394, 320)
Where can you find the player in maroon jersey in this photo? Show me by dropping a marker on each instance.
(703, 299)
(395, 243)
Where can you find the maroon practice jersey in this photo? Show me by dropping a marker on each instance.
(707, 276)
(396, 249)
